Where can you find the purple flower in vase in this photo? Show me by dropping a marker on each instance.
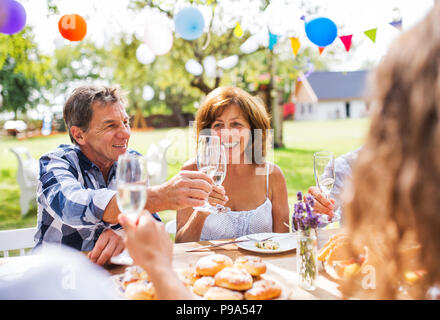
(304, 217)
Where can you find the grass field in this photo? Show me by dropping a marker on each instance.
(301, 140)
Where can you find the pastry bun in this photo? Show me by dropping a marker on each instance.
(202, 285)
(217, 293)
(234, 279)
(263, 290)
(210, 265)
(140, 290)
(252, 264)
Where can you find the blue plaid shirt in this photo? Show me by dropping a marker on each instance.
(72, 196)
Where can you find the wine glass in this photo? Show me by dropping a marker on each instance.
(208, 156)
(220, 175)
(324, 168)
(131, 183)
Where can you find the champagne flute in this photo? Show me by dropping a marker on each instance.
(324, 168)
(220, 175)
(208, 156)
(131, 183)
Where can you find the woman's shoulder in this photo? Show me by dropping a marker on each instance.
(274, 170)
(190, 165)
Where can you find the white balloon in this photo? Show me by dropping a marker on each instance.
(210, 66)
(250, 45)
(148, 93)
(144, 54)
(228, 63)
(194, 67)
(158, 36)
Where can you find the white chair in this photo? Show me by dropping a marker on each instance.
(27, 177)
(171, 226)
(17, 239)
(157, 162)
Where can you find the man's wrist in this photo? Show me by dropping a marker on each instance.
(155, 201)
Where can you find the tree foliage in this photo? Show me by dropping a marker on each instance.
(23, 71)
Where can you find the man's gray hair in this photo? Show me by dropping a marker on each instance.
(78, 109)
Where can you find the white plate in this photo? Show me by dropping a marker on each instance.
(287, 242)
(122, 259)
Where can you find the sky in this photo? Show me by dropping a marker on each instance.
(107, 18)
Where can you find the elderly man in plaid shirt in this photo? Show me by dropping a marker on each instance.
(76, 192)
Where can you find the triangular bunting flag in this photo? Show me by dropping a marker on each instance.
(371, 34)
(397, 24)
(295, 45)
(238, 31)
(346, 40)
(273, 39)
(321, 49)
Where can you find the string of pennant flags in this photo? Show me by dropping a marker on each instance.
(345, 39)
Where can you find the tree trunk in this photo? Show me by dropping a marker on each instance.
(273, 106)
(177, 111)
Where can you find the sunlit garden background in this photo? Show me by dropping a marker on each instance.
(258, 45)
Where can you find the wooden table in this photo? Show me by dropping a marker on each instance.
(280, 267)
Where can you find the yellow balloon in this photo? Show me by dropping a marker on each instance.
(238, 32)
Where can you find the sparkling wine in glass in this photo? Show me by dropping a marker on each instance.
(220, 175)
(132, 183)
(324, 167)
(208, 157)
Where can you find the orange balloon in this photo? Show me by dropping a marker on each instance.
(73, 27)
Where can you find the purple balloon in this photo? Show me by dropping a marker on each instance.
(15, 17)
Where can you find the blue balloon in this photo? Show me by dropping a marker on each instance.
(321, 31)
(189, 23)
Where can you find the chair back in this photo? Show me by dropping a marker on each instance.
(17, 239)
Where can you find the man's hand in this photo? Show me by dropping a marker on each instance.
(322, 204)
(109, 244)
(147, 242)
(186, 189)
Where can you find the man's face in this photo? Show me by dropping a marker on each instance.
(108, 134)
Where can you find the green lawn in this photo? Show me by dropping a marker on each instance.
(301, 140)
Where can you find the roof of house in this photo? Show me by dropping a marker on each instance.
(338, 85)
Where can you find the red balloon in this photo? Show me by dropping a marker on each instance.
(73, 27)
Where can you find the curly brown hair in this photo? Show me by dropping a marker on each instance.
(394, 202)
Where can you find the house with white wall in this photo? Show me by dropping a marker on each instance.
(326, 95)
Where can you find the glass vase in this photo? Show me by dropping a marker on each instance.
(306, 259)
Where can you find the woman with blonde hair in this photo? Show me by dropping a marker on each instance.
(256, 190)
(394, 202)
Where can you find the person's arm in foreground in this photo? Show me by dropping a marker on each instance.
(151, 248)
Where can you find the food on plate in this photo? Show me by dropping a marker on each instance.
(337, 259)
(252, 264)
(267, 245)
(263, 290)
(210, 265)
(202, 285)
(140, 290)
(234, 279)
(218, 293)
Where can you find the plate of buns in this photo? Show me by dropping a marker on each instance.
(278, 242)
(218, 277)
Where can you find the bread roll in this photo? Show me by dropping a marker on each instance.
(263, 290)
(202, 285)
(234, 279)
(210, 265)
(217, 293)
(252, 264)
(140, 290)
